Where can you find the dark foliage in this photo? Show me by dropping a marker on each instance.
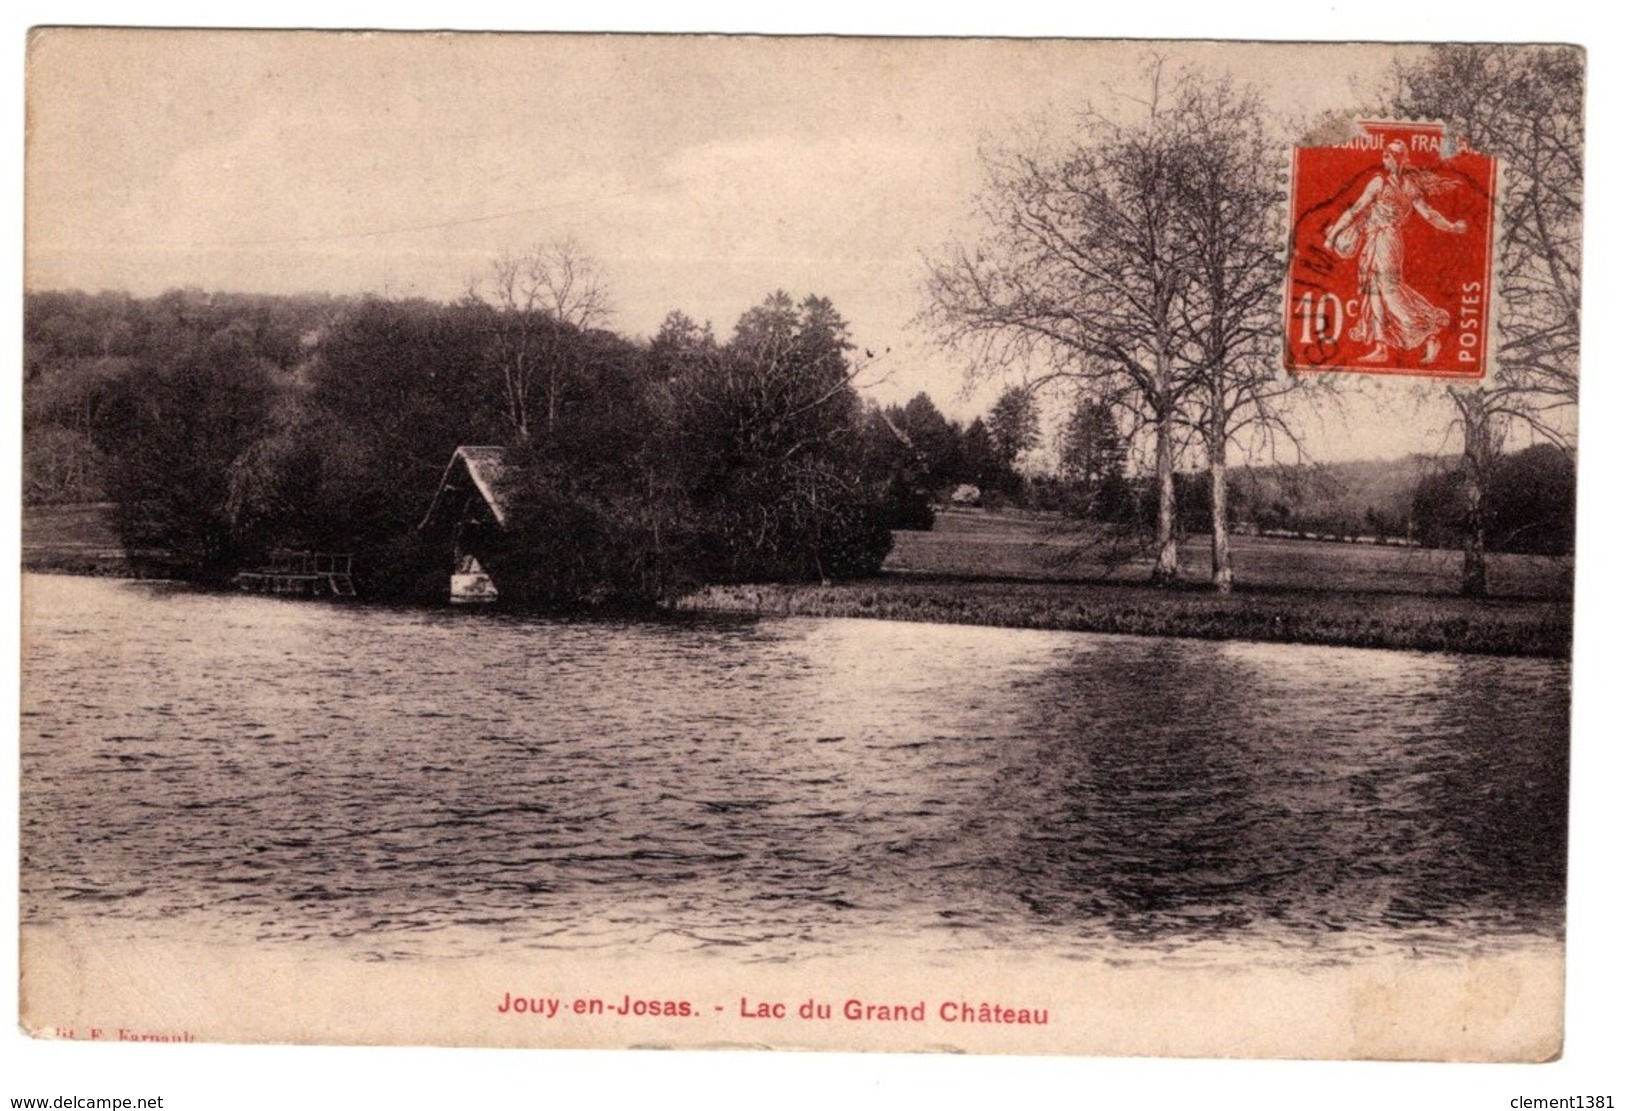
(223, 427)
(906, 506)
(182, 432)
(767, 431)
(1529, 504)
(82, 352)
(1094, 464)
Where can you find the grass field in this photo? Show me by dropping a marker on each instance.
(76, 539)
(978, 544)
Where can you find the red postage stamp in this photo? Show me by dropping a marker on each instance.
(1390, 254)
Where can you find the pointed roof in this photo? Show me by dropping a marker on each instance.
(485, 467)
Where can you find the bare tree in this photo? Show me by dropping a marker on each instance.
(1080, 274)
(1524, 105)
(545, 298)
(1228, 319)
(1141, 262)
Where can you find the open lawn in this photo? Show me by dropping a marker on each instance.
(982, 544)
(76, 539)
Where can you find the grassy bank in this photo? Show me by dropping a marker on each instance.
(1040, 573)
(72, 540)
(1500, 627)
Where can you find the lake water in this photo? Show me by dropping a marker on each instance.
(407, 783)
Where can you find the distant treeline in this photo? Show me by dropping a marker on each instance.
(1529, 501)
(222, 426)
(1529, 494)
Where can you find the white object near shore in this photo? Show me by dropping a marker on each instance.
(470, 585)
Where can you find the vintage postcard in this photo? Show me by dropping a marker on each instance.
(1014, 547)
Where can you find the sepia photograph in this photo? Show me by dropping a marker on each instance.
(995, 546)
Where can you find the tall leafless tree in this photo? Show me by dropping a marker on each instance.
(1228, 321)
(1080, 274)
(1525, 106)
(1138, 261)
(544, 298)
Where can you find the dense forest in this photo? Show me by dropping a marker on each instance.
(221, 426)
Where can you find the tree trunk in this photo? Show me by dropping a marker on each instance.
(1166, 569)
(1478, 455)
(1224, 575)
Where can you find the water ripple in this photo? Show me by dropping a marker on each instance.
(255, 769)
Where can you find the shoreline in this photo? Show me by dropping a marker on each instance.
(1404, 622)
(1022, 572)
(1538, 628)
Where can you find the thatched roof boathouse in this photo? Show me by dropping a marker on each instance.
(469, 507)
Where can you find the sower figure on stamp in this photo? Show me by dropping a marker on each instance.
(1392, 314)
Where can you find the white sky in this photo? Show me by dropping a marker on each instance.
(702, 173)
